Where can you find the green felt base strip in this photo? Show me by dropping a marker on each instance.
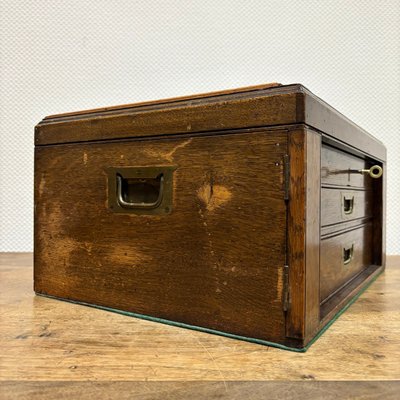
(180, 324)
(220, 333)
(341, 311)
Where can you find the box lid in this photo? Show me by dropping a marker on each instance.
(266, 105)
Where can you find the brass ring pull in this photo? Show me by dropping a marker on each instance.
(126, 204)
(374, 172)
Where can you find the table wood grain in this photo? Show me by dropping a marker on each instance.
(55, 342)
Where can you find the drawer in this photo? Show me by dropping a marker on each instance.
(343, 257)
(341, 169)
(345, 205)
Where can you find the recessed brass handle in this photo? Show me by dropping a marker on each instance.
(348, 204)
(375, 171)
(127, 204)
(348, 254)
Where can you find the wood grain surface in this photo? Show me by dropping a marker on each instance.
(162, 102)
(48, 340)
(216, 261)
(333, 207)
(255, 111)
(322, 116)
(296, 254)
(339, 168)
(200, 390)
(334, 273)
(260, 105)
(313, 233)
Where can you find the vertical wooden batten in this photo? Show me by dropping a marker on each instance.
(304, 233)
(312, 245)
(296, 234)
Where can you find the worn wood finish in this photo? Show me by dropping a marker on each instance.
(345, 227)
(214, 390)
(313, 232)
(334, 273)
(304, 234)
(339, 168)
(296, 233)
(261, 110)
(49, 342)
(238, 243)
(334, 125)
(197, 261)
(359, 231)
(255, 106)
(177, 100)
(332, 305)
(335, 202)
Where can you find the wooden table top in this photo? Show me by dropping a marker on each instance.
(46, 340)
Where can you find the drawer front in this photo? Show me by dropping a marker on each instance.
(340, 168)
(343, 257)
(344, 205)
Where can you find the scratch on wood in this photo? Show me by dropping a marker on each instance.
(41, 185)
(280, 285)
(170, 155)
(213, 196)
(212, 359)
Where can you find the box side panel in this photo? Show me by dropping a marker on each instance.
(215, 260)
(320, 115)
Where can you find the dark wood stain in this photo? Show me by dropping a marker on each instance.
(334, 272)
(238, 113)
(333, 208)
(195, 265)
(297, 234)
(341, 169)
(260, 105)
(313, 239)
(260, 177)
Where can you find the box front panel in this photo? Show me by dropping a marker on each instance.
(212, 256)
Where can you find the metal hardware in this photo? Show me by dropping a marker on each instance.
(127, 204)
(375, 171)
(140, 190)
(348, 254)
(286, 171)
(286, 293)
(348, 204)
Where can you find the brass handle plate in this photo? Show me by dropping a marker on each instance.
(131, 204)
(140, 190)
(348, 204)
(348, 254)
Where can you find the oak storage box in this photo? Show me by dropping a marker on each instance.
(258, 213)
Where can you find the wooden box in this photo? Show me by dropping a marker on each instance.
(252, 213)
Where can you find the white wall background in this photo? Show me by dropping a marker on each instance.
(59, 56)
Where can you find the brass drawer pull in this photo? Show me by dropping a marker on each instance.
(348, 204)
(375, 171)
(348, 254)
(140, 189)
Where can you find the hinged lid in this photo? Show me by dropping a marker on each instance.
(264, 105)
